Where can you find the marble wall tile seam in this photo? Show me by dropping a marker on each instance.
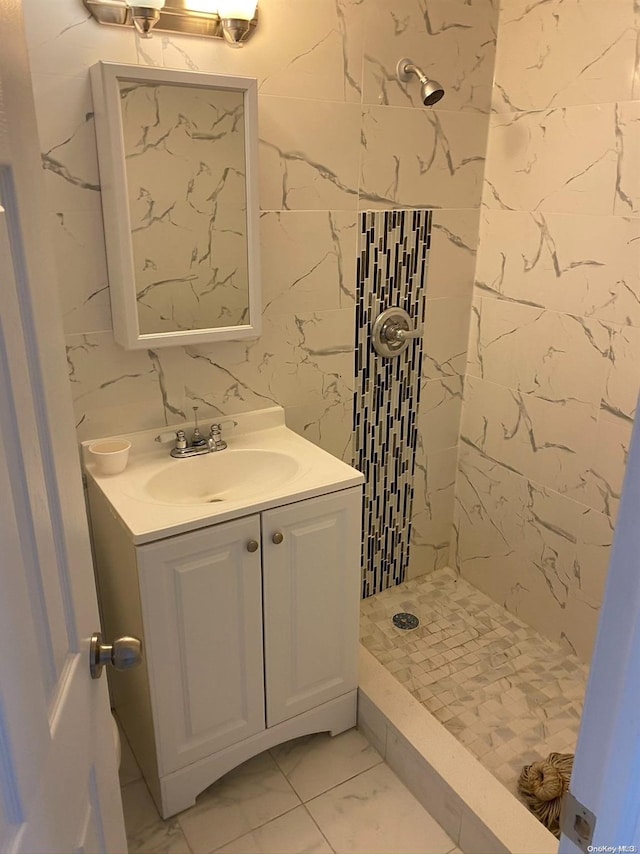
(297, 316)
(597, 364)
(584, 264)
(366, 105)
(483, 293)
(581, 52)
(394, 205)
(426, 418)
(371, 201)
(459, 209)
(600, 412)
(308, 259)
(569, 215)
(562, 446)
(444, 171)
(309, 153)
(441, 451)
(439, 415)
(466, 445)
(527, 394)
(511, 110)
(442, 298)
(440, 110)
(492, 5)
(593, 166)
(497, 118)
(540, 555)
(453, 42)
(565, 518)
(98, 330)
(489, 191)
(297, 362)
(439, 362)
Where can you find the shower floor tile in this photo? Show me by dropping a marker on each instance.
(508, 694)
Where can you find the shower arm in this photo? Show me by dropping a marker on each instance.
(408, 68)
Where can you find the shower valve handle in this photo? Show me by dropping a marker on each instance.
(392, 332)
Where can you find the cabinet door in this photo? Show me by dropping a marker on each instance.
(311, 602)
(202, 615)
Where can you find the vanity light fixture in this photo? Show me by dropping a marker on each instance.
(232, 20)
(235, 16)
(145, 14)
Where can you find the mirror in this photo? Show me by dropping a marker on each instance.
(178, 172)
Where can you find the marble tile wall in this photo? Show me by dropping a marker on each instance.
(554, 360)
(338, 134)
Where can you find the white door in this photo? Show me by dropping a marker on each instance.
(201, 599)
(58, 775)
(606, 773)
(311, 571)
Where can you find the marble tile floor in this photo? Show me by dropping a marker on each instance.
(508, 694)
(313, 794)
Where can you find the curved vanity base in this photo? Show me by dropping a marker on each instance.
(178, 791)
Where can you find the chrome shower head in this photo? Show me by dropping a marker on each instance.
(430, 90)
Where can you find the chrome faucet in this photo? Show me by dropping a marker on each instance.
(198, 445)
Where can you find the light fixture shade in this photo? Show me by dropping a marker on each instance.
(146, 4)
(242, 10)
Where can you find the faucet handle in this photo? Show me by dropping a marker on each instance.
(216, 442)
(181, 440)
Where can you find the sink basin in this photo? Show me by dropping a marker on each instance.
(231, 475)
(265, 465)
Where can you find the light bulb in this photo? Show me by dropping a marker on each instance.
(145, 15)
(235, 16)
(240, 10)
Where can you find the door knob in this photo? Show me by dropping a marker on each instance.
(123, 654)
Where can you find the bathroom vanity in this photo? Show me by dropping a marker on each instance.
(240, 571)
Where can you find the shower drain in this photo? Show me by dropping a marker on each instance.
(405, 621)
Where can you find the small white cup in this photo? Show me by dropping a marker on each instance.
(110, 455)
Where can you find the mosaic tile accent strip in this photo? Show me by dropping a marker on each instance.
(391, 271)
(508, 694)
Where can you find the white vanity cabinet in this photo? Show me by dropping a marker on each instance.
(250, 634)
(201, 596)
(311, 602)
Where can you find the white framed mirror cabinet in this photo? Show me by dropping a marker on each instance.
(178, 162)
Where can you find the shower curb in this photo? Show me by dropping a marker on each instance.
(475, 809)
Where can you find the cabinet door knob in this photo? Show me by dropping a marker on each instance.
(252, 546)
(277, 538)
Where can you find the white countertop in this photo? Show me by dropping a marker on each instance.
(147, 519)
